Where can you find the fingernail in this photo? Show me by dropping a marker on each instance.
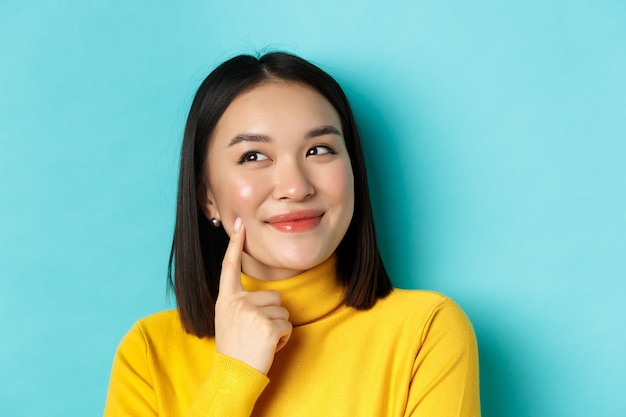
(237, 226)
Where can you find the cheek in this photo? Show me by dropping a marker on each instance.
(237, 196)
(244, 191)
(340, 183)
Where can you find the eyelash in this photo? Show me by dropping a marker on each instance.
(328, 148)
(252, 156)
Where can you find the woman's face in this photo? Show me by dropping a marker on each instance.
(278, 160)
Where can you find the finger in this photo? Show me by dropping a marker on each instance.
(275, 312)
(264, 298)
(285, 329)
(230, 278)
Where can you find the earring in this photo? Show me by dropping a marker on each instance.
(215, 222)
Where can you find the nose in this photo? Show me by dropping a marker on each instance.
(292, 182)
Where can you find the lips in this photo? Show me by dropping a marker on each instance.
(296, 221)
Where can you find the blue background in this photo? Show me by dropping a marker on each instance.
(495, 136)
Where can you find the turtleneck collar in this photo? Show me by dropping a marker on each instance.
(309, 296)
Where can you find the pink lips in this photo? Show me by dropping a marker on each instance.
(296, 221)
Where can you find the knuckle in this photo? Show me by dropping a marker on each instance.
(282, 313)
(266, 328)
(275, 296)
(289, 326)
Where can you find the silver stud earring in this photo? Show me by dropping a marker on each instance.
(215, 222)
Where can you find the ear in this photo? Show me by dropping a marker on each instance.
(206, 201)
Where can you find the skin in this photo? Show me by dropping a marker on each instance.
(280, 180)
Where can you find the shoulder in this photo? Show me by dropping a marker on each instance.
(153, 330)
(429, 310)
(161, 338)
(164, 321)
(168, 319)
(416, 302)
(426, 298)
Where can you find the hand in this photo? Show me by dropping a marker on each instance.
(249, 326)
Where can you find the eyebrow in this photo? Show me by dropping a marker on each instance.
(260, 138)
(321, 131)
(249, 137)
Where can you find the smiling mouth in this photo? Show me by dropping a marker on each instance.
(296, 222)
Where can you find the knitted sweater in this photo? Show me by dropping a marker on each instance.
(412, 354)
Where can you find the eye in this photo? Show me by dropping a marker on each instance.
(252, 156)
(320, 150)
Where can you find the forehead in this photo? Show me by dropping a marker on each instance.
(277, 106)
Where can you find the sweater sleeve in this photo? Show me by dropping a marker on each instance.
(230, 389)
(445, 371)
(131, 391)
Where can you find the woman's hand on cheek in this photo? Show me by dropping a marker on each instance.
(249, 326)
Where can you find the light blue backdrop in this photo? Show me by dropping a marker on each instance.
(495, 134)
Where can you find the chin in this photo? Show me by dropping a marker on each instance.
(301, 261)
(287, 263)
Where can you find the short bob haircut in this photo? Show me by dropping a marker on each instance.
(198, 248)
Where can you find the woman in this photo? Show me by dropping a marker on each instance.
(284, 307)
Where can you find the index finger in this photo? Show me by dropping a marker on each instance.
(230, 278)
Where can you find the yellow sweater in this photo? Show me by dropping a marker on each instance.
(413, 354)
